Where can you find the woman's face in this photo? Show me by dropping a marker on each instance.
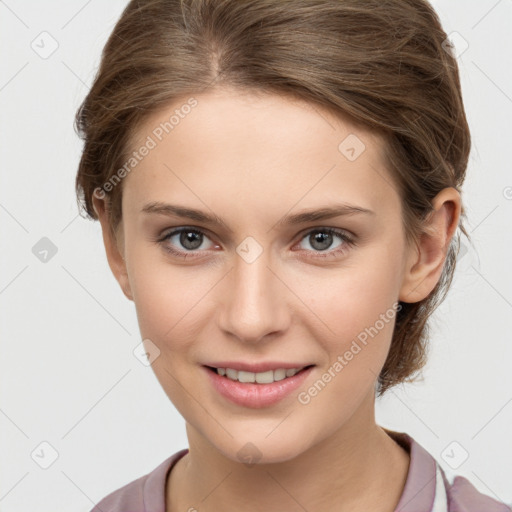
(257, 287)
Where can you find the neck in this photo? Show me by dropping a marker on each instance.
(355, 469)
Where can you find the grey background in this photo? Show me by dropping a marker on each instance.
(69, 377)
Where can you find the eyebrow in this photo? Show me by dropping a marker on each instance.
(328, 212)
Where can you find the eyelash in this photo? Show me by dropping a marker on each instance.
(348, 242)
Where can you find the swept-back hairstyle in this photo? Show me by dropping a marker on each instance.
(386, 65)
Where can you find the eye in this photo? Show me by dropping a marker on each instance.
(189, 238)
(320, 239)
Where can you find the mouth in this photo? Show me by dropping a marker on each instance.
(257, 390)
(267, 377)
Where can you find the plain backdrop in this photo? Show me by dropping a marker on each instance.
(80, 416)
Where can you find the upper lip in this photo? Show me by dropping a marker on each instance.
(256, 367)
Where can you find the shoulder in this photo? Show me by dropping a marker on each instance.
(427, 488)
(145, 494)
(464, 497)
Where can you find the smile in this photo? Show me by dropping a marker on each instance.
(261, 377)
(247, 389)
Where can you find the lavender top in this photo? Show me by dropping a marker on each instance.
(426, 488)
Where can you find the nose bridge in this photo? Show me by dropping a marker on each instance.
(254, 306)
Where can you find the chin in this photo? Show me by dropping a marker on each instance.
(254, 450)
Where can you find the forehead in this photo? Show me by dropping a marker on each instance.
(251, 118)
(256, 146)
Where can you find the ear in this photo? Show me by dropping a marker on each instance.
(426, 260)
(114, 247)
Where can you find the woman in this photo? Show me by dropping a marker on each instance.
(278, 186)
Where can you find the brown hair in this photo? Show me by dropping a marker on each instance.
(385, 65)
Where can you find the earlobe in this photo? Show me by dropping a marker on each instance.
(114, 253)
(426, 260)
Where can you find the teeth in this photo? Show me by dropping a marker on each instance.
(261, 378)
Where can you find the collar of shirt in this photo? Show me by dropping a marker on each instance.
(424, 489)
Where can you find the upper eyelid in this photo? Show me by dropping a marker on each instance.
(178, 229)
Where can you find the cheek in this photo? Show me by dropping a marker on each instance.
(168, 299)
(357, 307)
(157, 289)
(352, 298)
(358, 312)
(165, 309)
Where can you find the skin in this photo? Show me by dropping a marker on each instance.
(253, 160)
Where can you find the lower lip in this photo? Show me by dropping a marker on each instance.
(254, 395)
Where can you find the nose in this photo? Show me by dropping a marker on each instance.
(255, 301)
